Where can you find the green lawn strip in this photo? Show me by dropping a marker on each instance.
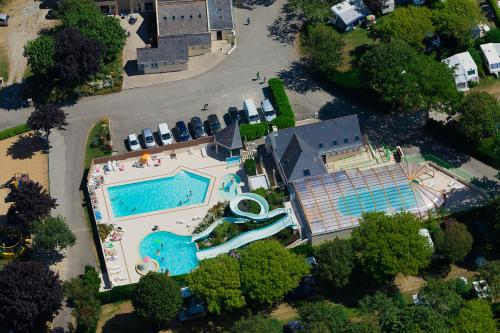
(13, 131)
(92, 152)
(4, 63)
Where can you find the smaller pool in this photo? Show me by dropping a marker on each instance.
(228, 186)
(175, 254)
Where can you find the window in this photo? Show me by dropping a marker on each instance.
(346, 140)
(471, 72)
(190, 16)
(182, 17)
(356, 138)
(334, 142)
(199, 15)
(320, 145)
(165, 18)
(173, 17)
(306, 172)
(495, 66)
(154, 65)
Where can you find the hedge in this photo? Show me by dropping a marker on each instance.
(118, 293)
(496, 10)
(13, 131)
(285, 116)
(250, 167)
(251, 132)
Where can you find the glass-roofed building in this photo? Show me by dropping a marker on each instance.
(331, 204)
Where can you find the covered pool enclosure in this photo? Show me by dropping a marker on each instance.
(331, 204)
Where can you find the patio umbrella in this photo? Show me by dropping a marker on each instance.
(146, 259)
(145, 156)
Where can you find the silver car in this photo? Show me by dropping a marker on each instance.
(149, 139)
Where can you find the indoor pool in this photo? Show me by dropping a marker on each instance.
(175, 254)
(380, 200)
(183, 189)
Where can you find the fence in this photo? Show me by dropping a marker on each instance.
(431, 158)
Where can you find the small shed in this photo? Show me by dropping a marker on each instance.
(228, 140)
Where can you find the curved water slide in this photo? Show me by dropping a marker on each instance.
(264, 214)
(205, 233)
(247, 237)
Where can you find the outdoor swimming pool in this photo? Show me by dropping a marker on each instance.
(379, 200)
(183, 189)
(175, 254)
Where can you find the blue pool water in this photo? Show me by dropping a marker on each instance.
(177, 255)
(183, 189)
(355, 204)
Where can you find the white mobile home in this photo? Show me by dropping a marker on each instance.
(346, 16)
(465, 70)
(491, 56)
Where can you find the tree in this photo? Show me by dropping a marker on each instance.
(479, 115)
(492, 36)
(217, 281)
(407, 80)
(475, 316)
(441, 296)
(53, 233)
(76, 57)
(361, 327)
(420, 318)
(388, 245)
(315, 11)
(455, 242)
(257, 324)
(491, 273)
(336, 260)
(269, 271)
(30, 202)
(455, 19)
(46, 117)
(40, 54)
(324, 46)
(410, 24)
(31, 295)
(157, 298)
(385, 309)
(82, 293)
(324, 315)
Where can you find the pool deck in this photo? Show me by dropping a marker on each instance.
(180, 220)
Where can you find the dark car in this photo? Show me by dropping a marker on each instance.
(182, 131)
(51, 15)
(197, 128)
(53, 4)
(234, 115)
(213, 123)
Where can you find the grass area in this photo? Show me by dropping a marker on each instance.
(356, 41)
(4, 63)
(91, 150)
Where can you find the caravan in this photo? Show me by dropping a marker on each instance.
(251, 111)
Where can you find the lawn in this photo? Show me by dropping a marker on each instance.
(91, 150)
(356, 40)
(4, 64)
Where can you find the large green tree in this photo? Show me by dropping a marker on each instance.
(475, 316)
(388, 245)
(323, 316)
(479, 115)
(257, 324)
(455, 241)
(269, 271)
(53, 233)
(40, 54)
(157, 298)
(217, 281)
(410, 24)
(315, 11)
(324, 46)
(336, 260)
(491, 273)
(407, 80)
(441, 295)
(455, 19)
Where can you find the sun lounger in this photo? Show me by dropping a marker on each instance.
(157, 162)
(115, 268)
(120, 279)
(203, 152)
(110, 166)
(111, 258)
(115, 272)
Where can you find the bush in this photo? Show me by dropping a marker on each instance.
(13, 131)
(476, 56)
(251, 132)
(494, 5)
(285, 116)
(249, 166)
(118, 293)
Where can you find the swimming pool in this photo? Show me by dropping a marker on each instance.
(182, 189)
(175, 254)
(378, 200)
(228, 186)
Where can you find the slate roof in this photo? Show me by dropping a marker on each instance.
(171, 50)
(198, 39)
(182, 17)
(220, 14)
(300, 160)
(229, 137)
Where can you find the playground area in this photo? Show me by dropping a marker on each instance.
(21, 155)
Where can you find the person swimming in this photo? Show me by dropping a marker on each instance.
(158, 252)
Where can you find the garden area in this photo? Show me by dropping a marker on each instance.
(98, 141)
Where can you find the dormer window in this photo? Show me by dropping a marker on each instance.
(346, 140)
(320, 145)
(356, 138)
(334, 142)
(173, 17)
(199, 15)
(307, 172)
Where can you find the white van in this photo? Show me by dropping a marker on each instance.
(251, 111)
(164, 134)
(268, 110)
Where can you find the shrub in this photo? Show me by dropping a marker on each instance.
(104, 230)
(118, 293)
(251, 132)
(493, 4)
(13, 131)
(285, 116)
(249, 166)
(213, 214)
(476, 56)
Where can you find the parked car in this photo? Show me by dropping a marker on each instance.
(46, 4)
(197, 128)
(182, 130)
(165, 134)
(213, 123)
(133, 142)
(51, 15)
(149, 139)
(250, 110)
(268, 110)
(234, 115)
(4, 20)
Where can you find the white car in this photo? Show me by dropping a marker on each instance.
(149, 139)
(165, 134)
(268, 110)
(133, 142)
